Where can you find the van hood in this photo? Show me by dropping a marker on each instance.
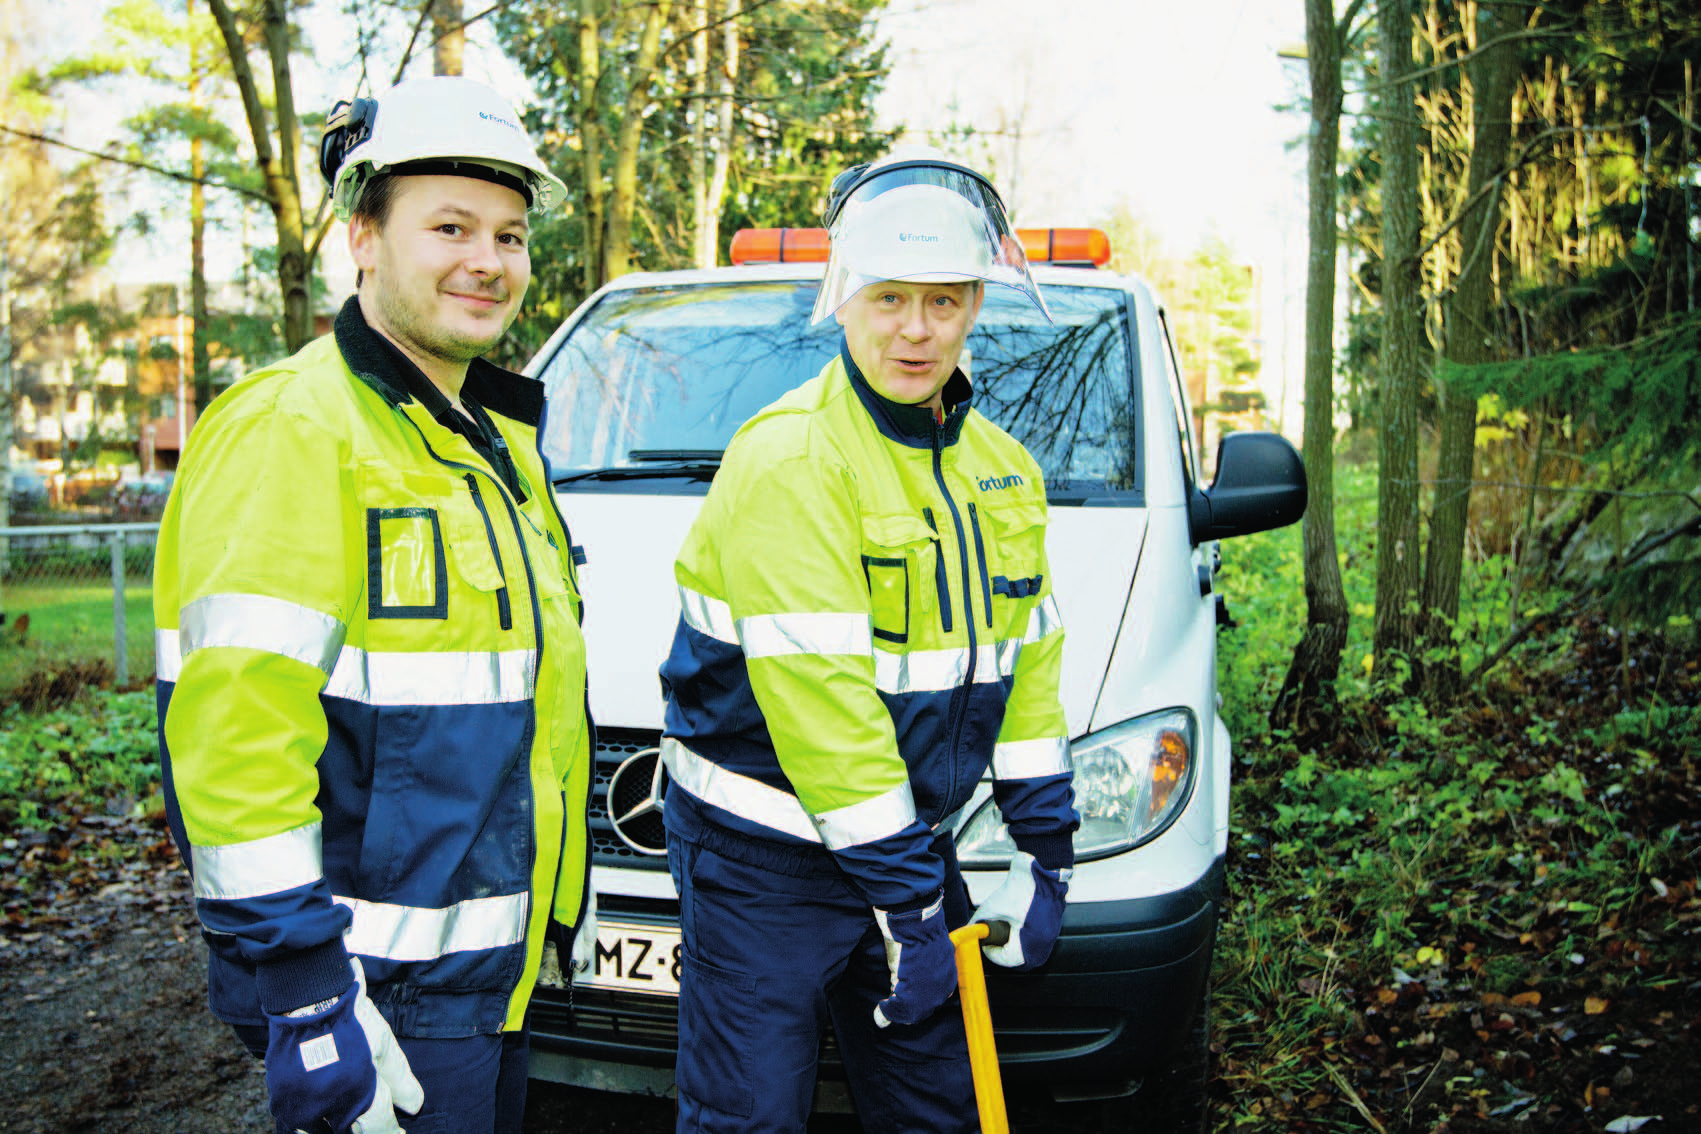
(632, 603)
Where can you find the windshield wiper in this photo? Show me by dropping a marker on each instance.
(675, 456)
(656, 464)
(697, 470)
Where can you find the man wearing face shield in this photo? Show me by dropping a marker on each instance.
(867, 629)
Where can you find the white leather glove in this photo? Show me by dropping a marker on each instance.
(1030, 901)
(318, 1055)
(921, 960)
(397, 1089)
(584, 953)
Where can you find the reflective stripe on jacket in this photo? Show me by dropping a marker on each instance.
(372, 689)
(867, 624)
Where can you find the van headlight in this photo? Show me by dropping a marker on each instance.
(1131, 781)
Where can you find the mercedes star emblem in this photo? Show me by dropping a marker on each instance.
(635, 802)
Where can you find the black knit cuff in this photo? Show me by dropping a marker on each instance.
(303, 978)
(1054, 852)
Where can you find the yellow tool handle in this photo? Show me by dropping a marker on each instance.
(977, 1022)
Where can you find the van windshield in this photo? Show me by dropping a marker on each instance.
(675, 370)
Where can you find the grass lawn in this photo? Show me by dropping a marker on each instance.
(70, 621)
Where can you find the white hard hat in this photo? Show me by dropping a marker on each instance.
(921, 219)
(444, 124)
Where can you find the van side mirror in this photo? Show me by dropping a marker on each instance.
(1260, 485)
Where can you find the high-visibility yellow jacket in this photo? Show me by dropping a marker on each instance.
(867, 624)
(372, 694)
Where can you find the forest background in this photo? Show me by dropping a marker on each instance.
(1464, 850)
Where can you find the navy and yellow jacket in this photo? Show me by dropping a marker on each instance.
(371, 693)
(867, 625)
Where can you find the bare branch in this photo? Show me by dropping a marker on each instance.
(259, 126)
(1526, 153)
(135, 163)
(425, 14)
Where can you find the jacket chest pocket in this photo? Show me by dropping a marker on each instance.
(406, 565)
(428, 539)
(899, 552)
(1016, 532)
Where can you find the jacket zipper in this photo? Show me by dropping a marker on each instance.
(575, 556)
(537, 636)
(939, 579)
(504, 612)
(980, 554)
(959, 709)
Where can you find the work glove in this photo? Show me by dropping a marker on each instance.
(338, 1061)
(584, 952)
(921, 960)
(1030, 900)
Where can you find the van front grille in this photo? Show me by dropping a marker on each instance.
(631, 753)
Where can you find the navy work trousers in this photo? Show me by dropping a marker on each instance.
(777, 945)
(473, 1085)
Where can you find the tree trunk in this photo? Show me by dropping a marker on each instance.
(1397, 550)
(623, 200)
(278, 171)
(448, 37)
(293, 268)
(702, 249)
(202, 371)
(723, 135)
(1308, 691)
(203, 375)
(590, 133)
(1470, 330)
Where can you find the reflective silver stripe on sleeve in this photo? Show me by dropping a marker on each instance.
(168, 658)
(264, 866)
(776, 635)
(709, 616)
(469, 678)
(745, 797)
(1030, 759)
(1045, 619)
(1009, 653)
(868, 821)
(938, 671)
(260, 622)
(414, 933)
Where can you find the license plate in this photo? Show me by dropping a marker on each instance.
(637, 958)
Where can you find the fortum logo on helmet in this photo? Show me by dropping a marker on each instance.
(994, 483)
(499, 120)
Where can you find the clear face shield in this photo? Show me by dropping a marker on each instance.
(919, 221)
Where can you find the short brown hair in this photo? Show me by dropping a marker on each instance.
(373, 206)
(376, 197)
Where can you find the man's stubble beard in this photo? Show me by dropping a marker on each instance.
(420, 332)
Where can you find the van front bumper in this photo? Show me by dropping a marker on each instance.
(1111, 1005)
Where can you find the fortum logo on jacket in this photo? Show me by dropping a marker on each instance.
(994, 483)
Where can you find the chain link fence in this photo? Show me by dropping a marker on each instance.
(77, 604)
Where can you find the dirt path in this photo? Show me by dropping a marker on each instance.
(103, 1010)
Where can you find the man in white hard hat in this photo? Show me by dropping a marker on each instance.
(867, 628)
(371, 676)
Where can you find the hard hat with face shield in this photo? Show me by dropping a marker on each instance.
(922, 220)
(440, 125)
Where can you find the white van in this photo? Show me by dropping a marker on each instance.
(648, 380)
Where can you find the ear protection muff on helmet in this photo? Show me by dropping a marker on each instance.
(348, 125)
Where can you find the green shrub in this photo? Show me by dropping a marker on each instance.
(99, 753)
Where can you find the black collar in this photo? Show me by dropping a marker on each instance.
(912, 425)
(379, 363)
